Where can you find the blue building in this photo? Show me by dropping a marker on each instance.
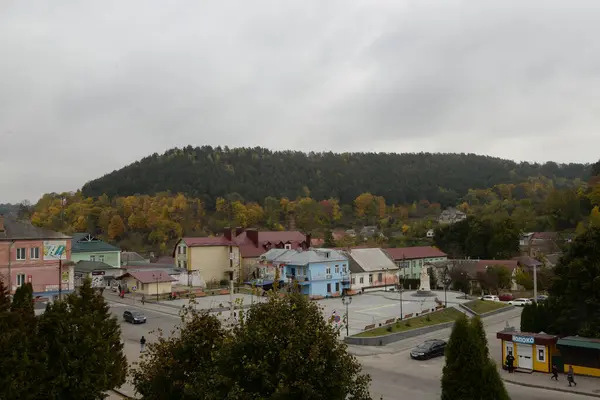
(318, 272)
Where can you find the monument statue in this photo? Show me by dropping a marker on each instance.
(424, 287)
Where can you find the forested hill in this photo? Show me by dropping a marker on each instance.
(251, 174)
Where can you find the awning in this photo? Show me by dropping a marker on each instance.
(576, 341)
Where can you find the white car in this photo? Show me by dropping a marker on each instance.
(489, 297)
(520, 302)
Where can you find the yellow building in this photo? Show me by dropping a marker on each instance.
(532, 351)
(208, 259)
(582, 354)
(147, 283)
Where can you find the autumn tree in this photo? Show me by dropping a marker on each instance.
(494, 278)
(116, 228)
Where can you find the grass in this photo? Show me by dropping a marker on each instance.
(482, 306)
(434, 318)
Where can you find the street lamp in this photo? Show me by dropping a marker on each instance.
(400, 290)
(156, 277)
(446, 283)
(346, 300)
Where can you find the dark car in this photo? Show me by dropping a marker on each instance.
(428, 349)
(134, 317)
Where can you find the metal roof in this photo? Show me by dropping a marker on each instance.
(371, 260)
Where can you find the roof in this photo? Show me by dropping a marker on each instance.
(581, 342)
(24, 230)
(273, 254)
(483, 264)
(131, 256)
(305, 257)
(367, 260)
(89, 266)
(410, 253)
(249, 250)
(207, 241)
(553, 258)
(528, 261)
(149, 276)
(164, 260)
(84, 242)
(544, 235)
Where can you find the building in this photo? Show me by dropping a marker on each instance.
(583, 354)
(86, 247)
(207, 259)
(253, 243)
(532, 351)
(538, 244)
(29, 254)
(371, 268)
(317, 272)
(147, 283)
(451, 216)
(512, 265)
(412, 259)
(101, 274)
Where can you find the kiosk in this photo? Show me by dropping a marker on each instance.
(532, 351)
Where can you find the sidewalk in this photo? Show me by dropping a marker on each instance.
(586, 386)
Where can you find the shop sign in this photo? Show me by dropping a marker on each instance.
(524, 339)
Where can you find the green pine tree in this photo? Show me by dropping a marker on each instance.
(4, 297)
(22, 301)
(83, 345)
(329, 242)
(528, 319)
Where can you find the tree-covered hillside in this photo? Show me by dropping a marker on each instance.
(251, 174)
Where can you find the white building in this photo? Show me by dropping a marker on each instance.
(371, 268)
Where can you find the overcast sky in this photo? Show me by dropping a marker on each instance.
(87, 87)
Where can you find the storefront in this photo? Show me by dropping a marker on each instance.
(532, 351)
(582, 354)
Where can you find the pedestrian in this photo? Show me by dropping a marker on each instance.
(554, 372)
(509, 362)
(142, 344)
(571, 376)
(143, 299)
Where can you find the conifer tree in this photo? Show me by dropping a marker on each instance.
(4, 297)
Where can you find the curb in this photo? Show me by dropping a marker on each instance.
(532, 385)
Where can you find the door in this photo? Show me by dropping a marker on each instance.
(525, 354)
(509, 347)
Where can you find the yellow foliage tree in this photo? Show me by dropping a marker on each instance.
(116, 228)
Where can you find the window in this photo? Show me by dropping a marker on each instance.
(337, 286)
(185, 264)
(361, 279)
(287, 246)
(101, 258)
(370, 278)
(20, 279)
(21, 253)
(328, 271)
(344, 268)
(329, 288)
(354, 281)
(337, 269)
(34, 253)
(380, 277)
(92, 258)
(541, 356)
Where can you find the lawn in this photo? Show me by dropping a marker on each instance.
(483, 306)
(434, 318)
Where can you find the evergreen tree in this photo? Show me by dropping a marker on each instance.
(22, 301)
(83, 344)
(527, 319)
(4, 297)
(329, 242)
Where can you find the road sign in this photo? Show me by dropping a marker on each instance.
(337, 319)
(134, 288)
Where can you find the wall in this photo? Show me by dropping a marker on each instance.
(112, 258)
(44, 273)
(148, 289)
(413, 271)
(577, 370)
(389, 278)
(318, 276)
(212, 262)
(394, 337)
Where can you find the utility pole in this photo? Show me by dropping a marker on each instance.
(346, 300)
(231, 305)
(59, 278)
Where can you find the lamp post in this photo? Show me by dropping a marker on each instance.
(156, 277)
(346, 300)
(446, 283)
(400, 290)
(400, 285)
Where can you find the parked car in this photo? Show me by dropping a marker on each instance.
(490, 297)
(542, 297)
(134, 317)
(428, 349)
(520, 302)
(506, 297)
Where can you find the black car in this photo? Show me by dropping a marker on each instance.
(428, 349)
(134, 317)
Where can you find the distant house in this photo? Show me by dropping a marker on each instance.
(370, 232)
(528, 263)
(147, 282)
(511, 265)
(317, 272)
(411, 259)
(131, 258)
(430, 234)
(451, 216)
(371, 268)
(86, 247)
(552, 260)
(100, 273)
(537, 244)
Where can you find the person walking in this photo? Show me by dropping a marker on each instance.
(554, 372)
(510, 362)
(143, 299)
(571, 376)
(142, 344)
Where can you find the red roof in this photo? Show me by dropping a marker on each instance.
(149, 276)
(249, 249)
(510, 264)
(411, 253)
(207, 241)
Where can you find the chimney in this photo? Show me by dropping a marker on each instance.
(227, 232)
(252, 234)
(238, 231)
(1, 223)
(308, 239)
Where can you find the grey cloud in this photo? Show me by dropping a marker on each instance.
(87, 87)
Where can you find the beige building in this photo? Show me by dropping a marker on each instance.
(208, 259)
(147, 283)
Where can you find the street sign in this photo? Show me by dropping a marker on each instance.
(134, 288)
(96, 273)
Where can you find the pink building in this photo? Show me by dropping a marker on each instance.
(34, 255)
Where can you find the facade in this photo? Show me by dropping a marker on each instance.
(511, 265)
(410, 260)
(29, 254)
(451, 216)
(147, 283)
(583, 354)
(317, 272)
(532, 351)
(253, 243)
(85, 247)
(208, 259)
(371, 268)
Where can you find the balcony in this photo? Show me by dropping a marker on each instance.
(297, 277)
(345, 279)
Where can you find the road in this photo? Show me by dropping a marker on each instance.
(394, 375)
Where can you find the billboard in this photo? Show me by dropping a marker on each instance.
(55, 249)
